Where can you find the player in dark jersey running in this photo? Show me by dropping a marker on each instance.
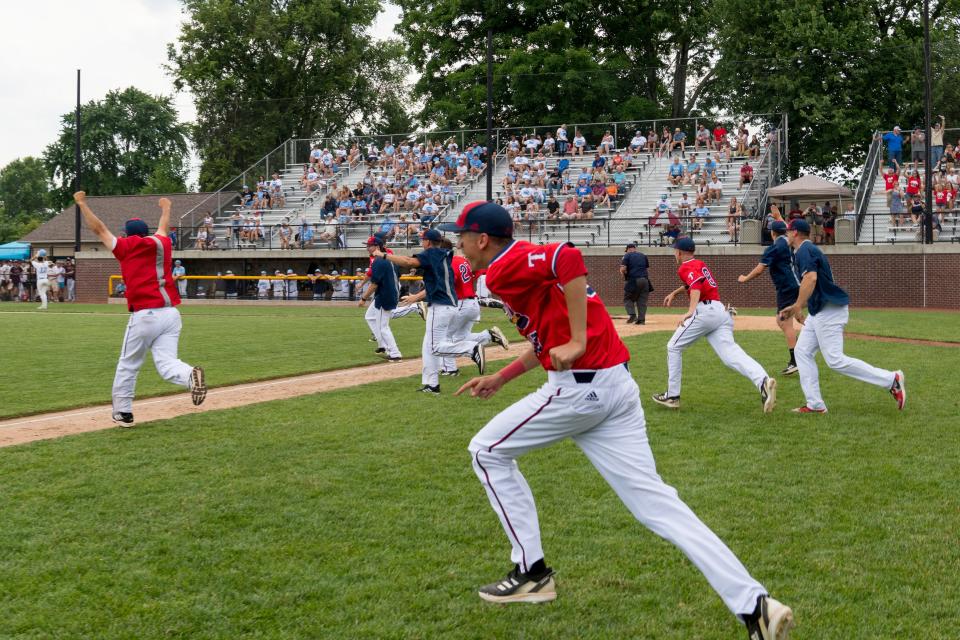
(778, 258)
(589, 397)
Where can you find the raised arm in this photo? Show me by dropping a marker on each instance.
(93, 222)
(163, 227)
(407, 262)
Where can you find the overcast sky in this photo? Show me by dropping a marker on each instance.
(115, 44)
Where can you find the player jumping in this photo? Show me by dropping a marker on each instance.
(589, 397)
(152, 297)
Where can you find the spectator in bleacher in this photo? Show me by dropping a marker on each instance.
(891, 180)
(306, 233)
(201, 239)
(917, 146)
(579, 143)
(638, 143)
(914, 184)
(586, 207)
(746, 174)
(620, 178)
(700, 213)
(329, 231)
(743, 137)
(754, 148)
(916, 210)
(582, 189)
(314, 158)
(607, 143)
(234, 230)
(679, 140)
(570, 209)
(652, 140)
(692, 173)
(613, 192)
(940, 198)
(894, 141)
(285, 233)
(513, 148)
(734, 214)
(702, 138)
(662, 212)
(248, 230)
(553, 208)
(532, 144)
(850, 213)
(949, 158)
(599, 162)
(719, 136)
(360, 210)
(684, 206)
(676, 172)
(714, 189)
(709, 165)
(598, 190)
(562, 141)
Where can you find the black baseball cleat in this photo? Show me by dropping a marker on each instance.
(372, 339)
(198, 386)
(380, 350)
(790, 369)
(640, 321)
(395, 359)
(672, 402)
(479, 358)
(497, 337)
(771, 620)
(124, 420)
(431, 390)
(453, 373)
(631, 319)
(768, 394)
(521, 587)
(495, 304)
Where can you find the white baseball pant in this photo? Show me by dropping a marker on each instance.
(159, 331)
(468, 314)
(824, 332)
(43, 286)
(379, 322)
(713, 321)
(605, 419)
(437, 342)
(182, 288)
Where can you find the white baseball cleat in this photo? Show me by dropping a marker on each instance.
(771, 620)
(198, 386)
(521, 587)
(768, 394)
(671, 402)
(497, 337)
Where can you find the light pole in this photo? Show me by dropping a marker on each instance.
(491, 150)
(927, 117)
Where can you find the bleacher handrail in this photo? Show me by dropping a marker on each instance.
(868, 176)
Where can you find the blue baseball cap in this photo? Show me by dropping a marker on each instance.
(799, 225)
(482, 217)
(685, 243)
(42, 253)
(136, 227)
(432, 235)
(779, 226)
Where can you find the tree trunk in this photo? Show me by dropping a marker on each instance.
(680, 80)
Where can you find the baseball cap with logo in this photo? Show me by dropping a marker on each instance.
(779, 226)
(685, 243)
(375, 239)
(482, 217)
(799, 225)
(136, 227)
(432, 235)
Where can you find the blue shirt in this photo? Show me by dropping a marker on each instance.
(779, 263)
(893, 140)
(636, 264)
(808, 258)
(438, 275)
(384, 276)
(676, 169)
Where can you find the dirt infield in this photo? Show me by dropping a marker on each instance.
(64, 423)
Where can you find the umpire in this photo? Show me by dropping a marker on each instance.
(636, 287)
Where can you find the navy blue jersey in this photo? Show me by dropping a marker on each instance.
(384, 276)
(808, 258)
(438, 275)
(636, 264)
(779, 262)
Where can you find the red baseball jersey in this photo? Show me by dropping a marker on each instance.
(529, 279)
(696, 275)
(890, 180)
(463, 278)
(145, 264)
(370, 266)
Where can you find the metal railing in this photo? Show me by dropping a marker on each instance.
(766, 173)
(868, 176)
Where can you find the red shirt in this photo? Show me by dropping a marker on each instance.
(529, 279)
(890, 180)
(941, 197)
(145, 264)
(913, 185)
(719, 134)
(696, 275)
(370, 266)
(463, 278)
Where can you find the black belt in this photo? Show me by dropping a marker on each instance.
(586, 377)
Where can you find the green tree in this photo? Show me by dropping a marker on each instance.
(123, 139)
(24, 189)
(264, 70)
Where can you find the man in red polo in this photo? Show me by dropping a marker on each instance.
(152, 297)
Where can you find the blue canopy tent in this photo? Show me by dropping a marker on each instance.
(14, 251)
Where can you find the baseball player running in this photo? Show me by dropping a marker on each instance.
(385, 290)
(779, 259)
(706, 317)
(828, 306)
(436, 263)
(152, 299)
(589, 397)
(379, 240)
(42, 270)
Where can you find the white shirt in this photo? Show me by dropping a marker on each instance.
(42, 269)
(263, 285)
(278, 287)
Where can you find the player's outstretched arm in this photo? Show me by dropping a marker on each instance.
(404, 261)
(414, 298)
(757, 270)
(485, 386)
(92, 222)
(807, 285)
(163, 227)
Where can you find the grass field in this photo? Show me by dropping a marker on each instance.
(245, 343)
(355, 514)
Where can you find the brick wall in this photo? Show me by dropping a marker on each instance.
(874, 276)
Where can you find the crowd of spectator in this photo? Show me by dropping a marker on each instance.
(18, 281)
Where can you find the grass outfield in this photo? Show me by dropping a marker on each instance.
(355, 514)
(245, 343)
